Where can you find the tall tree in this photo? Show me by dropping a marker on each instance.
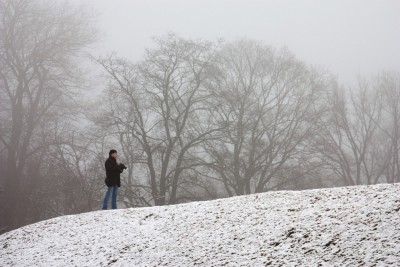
(389, 84)
(269, 102)
(349, 141)
(39, 44)
(159, 108)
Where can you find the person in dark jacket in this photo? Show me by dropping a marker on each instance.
(113, 180)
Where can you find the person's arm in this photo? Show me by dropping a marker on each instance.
(111, 166)
(122, 167)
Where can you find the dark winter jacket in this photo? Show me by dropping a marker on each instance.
(113, 172)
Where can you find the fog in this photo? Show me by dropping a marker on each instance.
(348, 38)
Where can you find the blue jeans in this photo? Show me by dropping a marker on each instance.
(114, 190)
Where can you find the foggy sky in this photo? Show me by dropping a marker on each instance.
(348, 38)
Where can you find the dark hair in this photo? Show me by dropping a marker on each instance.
(112, 151)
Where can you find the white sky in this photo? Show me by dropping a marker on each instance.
(348, 38)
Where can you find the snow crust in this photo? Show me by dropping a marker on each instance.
(348, 226)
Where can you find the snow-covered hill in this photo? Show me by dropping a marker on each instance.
(351, 226)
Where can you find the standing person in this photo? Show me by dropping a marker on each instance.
(113, 180)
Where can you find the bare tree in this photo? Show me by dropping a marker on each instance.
(39, 42)
(158, 108)
(349, 140)
(268, 100)
(389, 84)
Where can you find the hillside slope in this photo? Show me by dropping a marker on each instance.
(348, 226)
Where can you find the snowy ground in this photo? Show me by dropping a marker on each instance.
(353, 226)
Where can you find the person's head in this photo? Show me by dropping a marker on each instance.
(113, 153)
